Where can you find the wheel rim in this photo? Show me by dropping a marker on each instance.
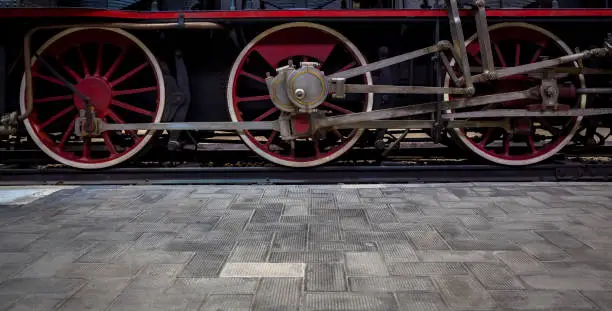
(272, 49)
(120, 76)
(517, 44)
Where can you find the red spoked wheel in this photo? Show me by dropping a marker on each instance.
(121, 77)
(532, 139)
(248, 98)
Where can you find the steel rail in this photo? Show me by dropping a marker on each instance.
(385, 173)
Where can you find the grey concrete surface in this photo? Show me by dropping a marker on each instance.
(536, 246)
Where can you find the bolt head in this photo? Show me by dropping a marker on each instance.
(300, 93)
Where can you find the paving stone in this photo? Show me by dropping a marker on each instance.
(396, 252)
(540, 300)
(520, 262)
(516, 237)
(262, 269)
(350, 301)
(374, 236)
(353, 212)
(307, 256)
(216, 204)
(204, 265)
(200, 286)
(276, 227)
(49, 265)
(494, 276)
(325, 277)
(365, 264)
(544, 251)
(579, 268)
(561, 239)
(108, 236)
(289, 241)
(464, 293)
(228, 302)
(453, 231)
(153, 240)
(426, 268)
(105, 252)
(602, 299)
(427, 240)
(96, 294)
(51, 287)
(573, 282)
(138, 258)
(91, 271)
(7, 301)
(323, 232)
(342, 246)
(400, 226)
(249, 251)
(355, 223)
(278, 294)
(36, 303)
(390, 284)
(155, 277)
(420, 301)
(473, 244)
(456, 256)
(179, 245)
(16, 241)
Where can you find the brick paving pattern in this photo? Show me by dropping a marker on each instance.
(530, 246)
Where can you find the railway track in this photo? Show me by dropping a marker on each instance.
(401, 171)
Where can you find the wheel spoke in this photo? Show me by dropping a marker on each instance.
(56, 116)
(132, 108)
(266, 114)
(71, 72)
(109, 144)
(99, 59)
(347, 67)
(111, 114)
(83, 62)
(531, 143)
(500, 56)
(129, 74)
(67, 133)
(115, 64)
(48, 78)
(253, 98)
(536, 55)
(53, 99)
(506, 144)
(337, 108)
(547, 126)
(317, 149)
(252, 76)
(517, 55)
(486, 137)
(135, 91)
(86, 148)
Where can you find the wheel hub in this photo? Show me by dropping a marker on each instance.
(302, 89)
(99, 93)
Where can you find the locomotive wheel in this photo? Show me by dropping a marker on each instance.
(515, 44)
(120, 76)
(248, 98)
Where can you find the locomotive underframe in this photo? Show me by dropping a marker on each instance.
(89, 125)
(379, 118)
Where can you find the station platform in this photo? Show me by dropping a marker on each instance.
(468, 246)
